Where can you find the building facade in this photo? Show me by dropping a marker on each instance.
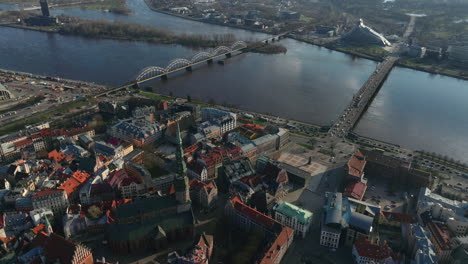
(293, 216)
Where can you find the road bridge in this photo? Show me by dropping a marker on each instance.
(362, 99)
(154, 72)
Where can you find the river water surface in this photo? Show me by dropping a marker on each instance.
(308, 83)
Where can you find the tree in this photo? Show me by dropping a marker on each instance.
(189, 98)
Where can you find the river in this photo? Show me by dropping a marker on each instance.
(421, 111)
(308, 83)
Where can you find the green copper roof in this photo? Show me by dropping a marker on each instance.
(303, 216)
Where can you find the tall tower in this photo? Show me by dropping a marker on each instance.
(181, 183)
(48, 226)
(44, 7)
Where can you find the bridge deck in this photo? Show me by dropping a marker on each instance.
(353, 112)
(125, 86)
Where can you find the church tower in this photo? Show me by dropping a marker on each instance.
(181, 183)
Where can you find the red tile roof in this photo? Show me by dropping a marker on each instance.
(441, 235)
(368, 250)
(356, 164)
(72, 184)
(210, 186)
(38, 228)
(81, 176)
(57, 247)
(196, 184)
(22, 143)
(355, 190)
(254, 127)
(57, 156)
(252, 214)
(46, 192)
(284, 239)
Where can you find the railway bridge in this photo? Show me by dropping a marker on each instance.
(179, 64)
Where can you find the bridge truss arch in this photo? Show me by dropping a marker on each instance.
(221, 50)
(149, 72)
(177, 63)
(201, 56)
(238, 45)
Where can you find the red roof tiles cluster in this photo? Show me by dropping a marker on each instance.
(73, 183)
(254, 127)
(22, 143)
(56, 155)
(368, 250)
(441, 235)
(197, 185)
(46, 192)
(355, 190)
(282, 240)
(356, 164)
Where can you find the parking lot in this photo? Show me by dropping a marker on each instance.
(378, 193)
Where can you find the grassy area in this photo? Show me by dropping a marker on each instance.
(307, 146)
(24, 104)
(327, 152)
(156, 96)
(434, 67)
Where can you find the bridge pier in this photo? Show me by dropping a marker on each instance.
(210, 61)
(228, 55)
(164, 77)
(135, 86)
(189, 68)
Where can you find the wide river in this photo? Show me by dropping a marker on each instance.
(308, 83)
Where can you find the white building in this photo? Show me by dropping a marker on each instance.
(37, 215)
(225, 120)
(294, 217)
(56, 200)
(137, 131)
(443, 209)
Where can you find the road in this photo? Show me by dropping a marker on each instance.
(346, 122)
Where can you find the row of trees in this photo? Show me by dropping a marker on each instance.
(131, 31)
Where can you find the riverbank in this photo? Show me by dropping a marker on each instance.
(463, 75)
(347, 50)
(160, 10)
(127, 32)
(270, 49)
(115, 6)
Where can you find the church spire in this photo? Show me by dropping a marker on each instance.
(181, 168)
(48, 226)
